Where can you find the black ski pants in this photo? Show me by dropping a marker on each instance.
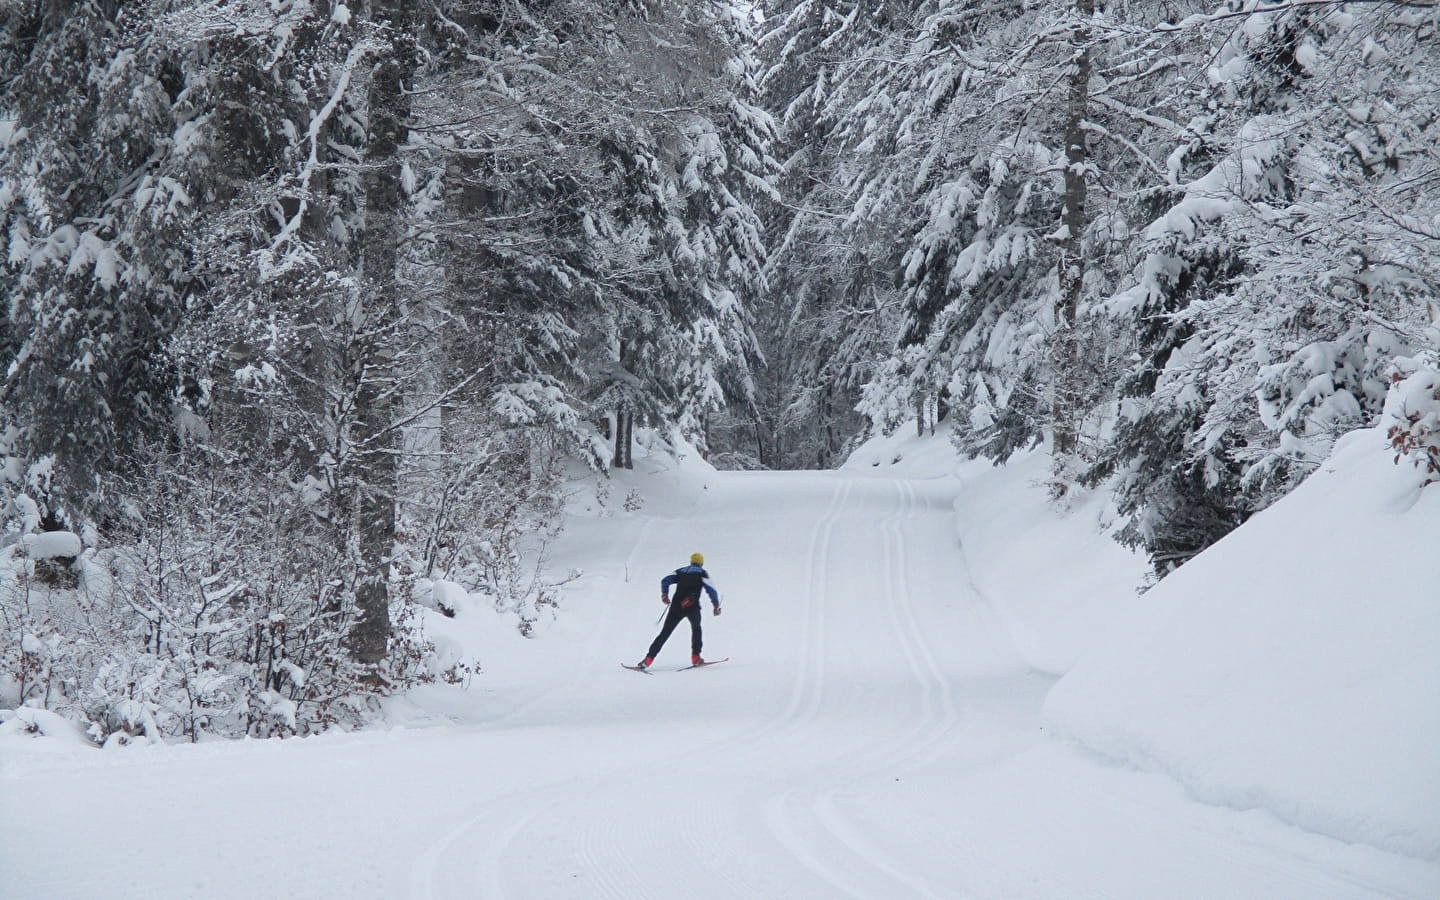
(680, 608)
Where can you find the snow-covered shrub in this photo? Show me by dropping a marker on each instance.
(214, 608)
(1412, 412)
(52, 555)
(481, 509)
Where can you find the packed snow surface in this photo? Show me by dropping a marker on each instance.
(880, 730)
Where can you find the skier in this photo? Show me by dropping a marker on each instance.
(688, 582)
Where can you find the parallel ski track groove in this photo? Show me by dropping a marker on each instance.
(486, 866)
(808, 692)
(943, 715)
(792, 812)
(810, 680)
(936, 713)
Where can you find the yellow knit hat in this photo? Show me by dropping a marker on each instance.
(697, 559)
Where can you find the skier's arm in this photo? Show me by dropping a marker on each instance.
(710, 589)
(665, 586)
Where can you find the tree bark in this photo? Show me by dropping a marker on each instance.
(624, 427)
(1064, 410)
(376, 397)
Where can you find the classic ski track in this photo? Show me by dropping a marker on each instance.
(792, 814)
(487, 864)
(600, 641)
(805, 698)
(806, 694)
(809, 680)
(934, 719)
(523, 808)
(939, 694)
(602, 866)
(803, 706)
(424, 870)
(936, 716)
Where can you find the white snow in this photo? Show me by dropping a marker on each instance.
(877, 732)
(1293, 667)
(1054, 580)
(50, 544)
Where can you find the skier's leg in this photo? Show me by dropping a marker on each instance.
(672, 618)
(693, 613)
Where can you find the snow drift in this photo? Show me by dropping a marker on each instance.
(1293, 667)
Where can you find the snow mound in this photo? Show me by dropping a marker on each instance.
(1056, 577)
(905, 454)
(50, 545)
(1292, 667)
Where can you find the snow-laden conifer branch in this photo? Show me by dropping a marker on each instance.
(302, 180)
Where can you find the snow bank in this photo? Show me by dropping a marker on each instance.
(904, 454)
(30, 737)
(1056, 578)
(1293, 667)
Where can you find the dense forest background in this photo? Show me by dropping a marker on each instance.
(307, 302)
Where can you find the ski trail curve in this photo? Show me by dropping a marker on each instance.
(810, 821)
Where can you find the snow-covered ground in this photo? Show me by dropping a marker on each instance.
(1248, 729)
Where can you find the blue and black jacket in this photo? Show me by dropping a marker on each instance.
(689, 581)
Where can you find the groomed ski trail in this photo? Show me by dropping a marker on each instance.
(874, 735)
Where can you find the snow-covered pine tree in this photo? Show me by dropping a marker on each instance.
(714, 238)
(997, 131)
(102, 171)
(602, 176)
(829, 308)
(1290, 268)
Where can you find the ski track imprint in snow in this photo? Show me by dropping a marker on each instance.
(874, 736)
(807, 821)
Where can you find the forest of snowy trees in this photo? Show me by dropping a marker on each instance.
(1188, 245)
(308, 300)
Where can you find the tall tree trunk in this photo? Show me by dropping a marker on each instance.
(624, 437)
(617, 459)
(376, 397)
(1065, 411)
(624, 426)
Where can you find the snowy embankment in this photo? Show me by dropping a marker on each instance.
(1292, 668)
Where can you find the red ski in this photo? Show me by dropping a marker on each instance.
(637, 669)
